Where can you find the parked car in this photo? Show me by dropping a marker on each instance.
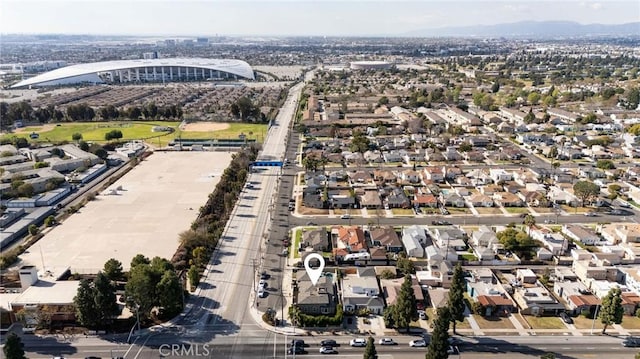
(358, 342)
(328, 350)
(422, 315)
(328, 343)
(566, 318)
(418, 343)
(264, 275)
(296, 350)
(262, 293)
(631, 342)
(387, 341)
(262, 284)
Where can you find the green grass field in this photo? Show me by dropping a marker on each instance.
(95, 131)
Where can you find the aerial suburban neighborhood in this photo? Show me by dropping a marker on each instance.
(458, 190)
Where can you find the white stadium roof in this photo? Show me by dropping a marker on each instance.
(88, 71)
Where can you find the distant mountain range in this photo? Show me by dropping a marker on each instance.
(532, 29)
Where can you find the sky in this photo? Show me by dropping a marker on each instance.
(292, 17)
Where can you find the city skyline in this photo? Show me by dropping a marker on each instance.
(292, 18)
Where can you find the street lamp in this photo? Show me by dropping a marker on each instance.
(595, 316)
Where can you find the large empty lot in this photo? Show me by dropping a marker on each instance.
(159, 199)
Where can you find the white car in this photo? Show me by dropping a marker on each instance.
(358, 342)
(418, 343)
(261, 293)
(328, 350)
(262, 284)
(345, 216)
(387, 341)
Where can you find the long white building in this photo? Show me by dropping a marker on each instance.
(143, 70)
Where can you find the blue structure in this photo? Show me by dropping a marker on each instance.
(267, 164)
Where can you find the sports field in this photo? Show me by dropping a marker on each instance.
(95, 131)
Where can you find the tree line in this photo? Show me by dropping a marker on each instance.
(198, 243)
(10, 113)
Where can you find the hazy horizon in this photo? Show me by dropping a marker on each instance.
(292, 18)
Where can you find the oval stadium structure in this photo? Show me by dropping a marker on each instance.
(371, 65)
(147, 70)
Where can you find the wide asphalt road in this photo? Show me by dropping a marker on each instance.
(165, 345)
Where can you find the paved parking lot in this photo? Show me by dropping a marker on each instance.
(159, 199)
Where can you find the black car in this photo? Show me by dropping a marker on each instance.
(566, 318)
(328, 343)
(297, 343)
(296, 350)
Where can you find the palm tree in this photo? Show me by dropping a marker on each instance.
(529, 221)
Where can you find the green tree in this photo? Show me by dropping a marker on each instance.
(140, 289)
(77, 136)
(170, 293)
(83, 146)
(359, 142)
(548, 356)
(633, 98)
(86, 308)
(194, 276)
(200, 256)
(533, 98)
(456, 296)
(405, 307)
(105, 299)
(50, 221)
(586, 190)
(113, 269)
(405, 265)
(439, 343)
(33, 230)
(465, 147)
(611, 310)
(605, 164)
(139, 259)
(370, 350)
(553, 152)
(113, 135)
(13, 347)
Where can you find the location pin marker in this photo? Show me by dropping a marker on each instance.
(314, 273)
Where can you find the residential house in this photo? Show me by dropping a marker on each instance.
(436, 275)
(386, 237)
(391, 290)
(425, 200)
(361, 292)
(491, 295)
(370, 199)
(507, 199)
(413, 239)
(577, 296)
(534, 299)
(410, 176)
(556, 243)
(453, 200)
(316, 299)
(348, 240)
(621, 233)
(397, 199)
(483, 237)
(449, 237)
(361, 178)
(433, 174)
(481, 200)
(318, 239)
(581, 234)
(500, 175)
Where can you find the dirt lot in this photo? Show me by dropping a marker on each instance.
(158, 200)
(204, 126)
